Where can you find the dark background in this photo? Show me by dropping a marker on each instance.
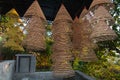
(49, 7)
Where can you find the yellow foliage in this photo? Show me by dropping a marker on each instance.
(115, 67)
(13, 12)
(14, 46)
(43, 60)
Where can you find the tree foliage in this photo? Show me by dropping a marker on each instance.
(11, 34)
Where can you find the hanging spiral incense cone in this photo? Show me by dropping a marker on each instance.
(62, 28)
(76, 33)
(101, 2)
(64, 70)
(84, 44)
(101, 13)
(62, 56)
(87, 54)
(81, 41)
(62, 19)
(63, 14)
(35, 39)
(101, 29)
(102, 32)
(34, 10)
(106, 5)
(84, 12)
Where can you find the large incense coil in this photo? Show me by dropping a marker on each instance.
(84, 12)
(63, 70)
(62, 42)
(61, 48)
(104, 7)
(55, 34)
(101, 14)
(87, 41)
(86, 44)
(63, 14)
(34, 10)
(87, 50)
(55, 22)
(81, 33)
(39, 24)
(61, 38)
(65, 25)
(65, 52)
(85, 27)
(58, 55)
(33, 43)
(62, 27)
(64, 66)
(101, 2)
(35, 39)
(64, 45)
(76, 40)
(62, 32)
(67, 66)
(102, 32)
(62, 58)
(66, 57)
(81, 39)
(87, 55)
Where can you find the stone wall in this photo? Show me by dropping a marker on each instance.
(6, 69)
(48, 75)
